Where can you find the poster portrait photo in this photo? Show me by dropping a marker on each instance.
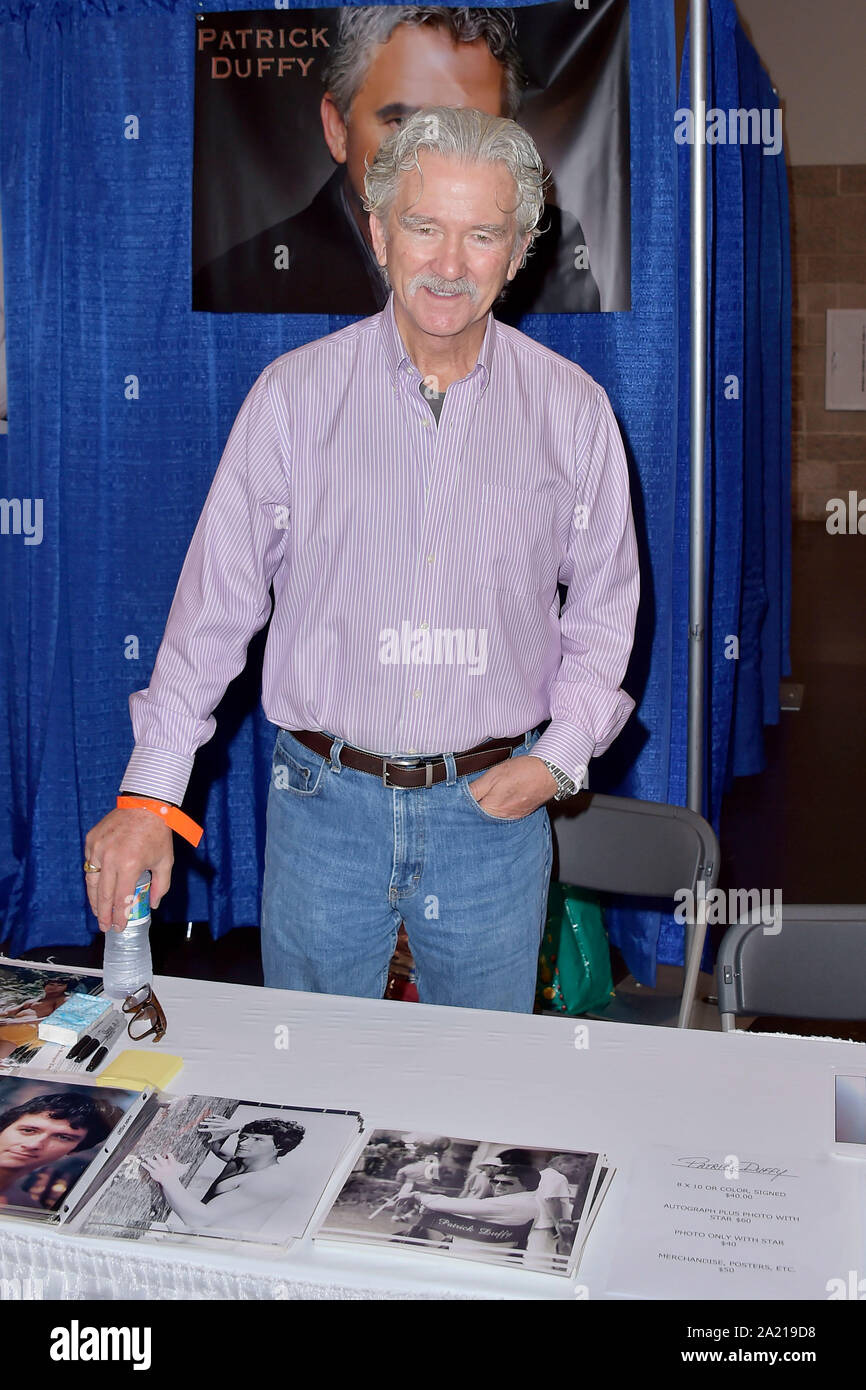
(50, 1132)
(290, 104)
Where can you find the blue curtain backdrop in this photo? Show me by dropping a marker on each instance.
(121, 399)
(748, 453)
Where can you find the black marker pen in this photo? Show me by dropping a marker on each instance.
(107, 1042)
(72, 1054)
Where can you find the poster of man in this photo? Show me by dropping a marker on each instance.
(290, 108)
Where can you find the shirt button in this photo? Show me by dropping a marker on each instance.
(430, 559)
(426, 424)
(423, 626)
(413, 752)
(416, 694)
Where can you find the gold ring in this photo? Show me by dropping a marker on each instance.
(91, 868)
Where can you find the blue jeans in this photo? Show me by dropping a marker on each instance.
(347, 858)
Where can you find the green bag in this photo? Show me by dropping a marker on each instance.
(574, 963)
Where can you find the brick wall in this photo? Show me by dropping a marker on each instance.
(828, 246)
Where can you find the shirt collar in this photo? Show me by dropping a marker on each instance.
(398, 358)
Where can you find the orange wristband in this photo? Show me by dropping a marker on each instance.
(172, 815)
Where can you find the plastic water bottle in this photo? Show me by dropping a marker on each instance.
(126, 961)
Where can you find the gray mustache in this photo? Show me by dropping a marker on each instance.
(436, 283)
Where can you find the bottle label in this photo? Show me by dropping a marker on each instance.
(140, 907)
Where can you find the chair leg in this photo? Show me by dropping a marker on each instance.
(694, 948)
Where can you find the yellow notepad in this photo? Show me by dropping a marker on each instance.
(134, 1068)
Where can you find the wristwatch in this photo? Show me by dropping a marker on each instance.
(566, 786)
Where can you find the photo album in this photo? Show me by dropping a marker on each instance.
(143, 1165)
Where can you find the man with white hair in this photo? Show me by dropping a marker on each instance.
(387, 61)
(415, 487)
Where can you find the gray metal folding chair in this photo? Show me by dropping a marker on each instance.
(810, 963)
(615, 844)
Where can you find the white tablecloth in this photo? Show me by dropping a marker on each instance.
(502, 1077)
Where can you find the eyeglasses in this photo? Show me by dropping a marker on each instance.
(147, 1013)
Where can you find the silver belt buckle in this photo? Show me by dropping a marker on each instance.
(406, 762)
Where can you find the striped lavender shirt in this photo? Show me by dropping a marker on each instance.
(414, 567)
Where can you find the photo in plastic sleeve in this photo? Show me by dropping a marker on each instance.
(50, 1134)
(28, 995)
(513, 1205)
(214, 1167)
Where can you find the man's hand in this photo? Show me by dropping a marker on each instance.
(216, 1130)
(514, 788)
(565, 1234)
(163, 1168)
(124, 844)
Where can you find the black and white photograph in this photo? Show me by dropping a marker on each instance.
(28, 994)
(209, 1166)
(460, 1197)
(288, 107)
(50, 1134)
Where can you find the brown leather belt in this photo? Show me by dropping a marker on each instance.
(412, 772)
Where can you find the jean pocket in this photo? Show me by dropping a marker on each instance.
(485, 815)
(296, 768)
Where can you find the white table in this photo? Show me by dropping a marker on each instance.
(503, 1077)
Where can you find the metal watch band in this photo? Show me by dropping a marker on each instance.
(566, 786)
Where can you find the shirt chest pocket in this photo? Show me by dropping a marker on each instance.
(516, 539)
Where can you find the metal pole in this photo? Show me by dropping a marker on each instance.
(695, 935)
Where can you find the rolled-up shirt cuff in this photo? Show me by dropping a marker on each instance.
(157, 773)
